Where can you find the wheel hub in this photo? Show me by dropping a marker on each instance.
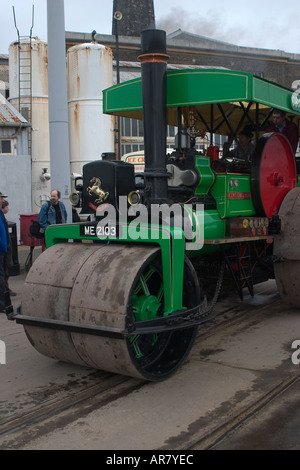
(145, 307)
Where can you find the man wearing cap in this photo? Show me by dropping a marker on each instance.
(5, 302)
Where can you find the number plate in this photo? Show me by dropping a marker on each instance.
(99, 230)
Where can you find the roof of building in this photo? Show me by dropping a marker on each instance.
(186, 35)
(198, 41)
(9, 116)
(130, 70)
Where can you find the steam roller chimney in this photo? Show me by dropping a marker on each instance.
(154, 66)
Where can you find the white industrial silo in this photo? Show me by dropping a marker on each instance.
(91, 132)
(28, 82)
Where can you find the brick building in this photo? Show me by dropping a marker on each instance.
(136, 16)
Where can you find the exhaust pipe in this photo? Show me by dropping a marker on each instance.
(154, 66)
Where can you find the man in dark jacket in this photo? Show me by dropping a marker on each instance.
(286, 127)
(53, 212)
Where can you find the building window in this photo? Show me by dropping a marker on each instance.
(6, 147)
(132, 132)
(132, 138)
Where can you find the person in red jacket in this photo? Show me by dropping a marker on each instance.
(286, 127)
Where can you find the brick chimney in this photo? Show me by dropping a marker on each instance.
(137, 15)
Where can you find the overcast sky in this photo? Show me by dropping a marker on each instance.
(269, 24)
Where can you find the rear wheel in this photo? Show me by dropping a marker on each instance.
(286, 246)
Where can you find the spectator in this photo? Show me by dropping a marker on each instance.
(8, 256)
(53, 211)
(3, 250)
(284, 126)
(5, 302)
(245, 148)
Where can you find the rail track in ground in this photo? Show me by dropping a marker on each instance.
(210, 439)
(19, 429)
(57, 407)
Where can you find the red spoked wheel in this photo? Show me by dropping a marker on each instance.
(273, 173)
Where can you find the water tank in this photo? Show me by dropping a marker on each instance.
(90, 71)
(32, 102)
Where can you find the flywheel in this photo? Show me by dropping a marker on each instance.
(273, 173)
(107, 285)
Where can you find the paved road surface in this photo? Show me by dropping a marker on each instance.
(224, 373)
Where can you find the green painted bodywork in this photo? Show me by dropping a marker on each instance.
(205, 89)
(207, 175)
(232, 193)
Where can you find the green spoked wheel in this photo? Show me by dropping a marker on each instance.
(147, 303)
(107, 286)
(159, 355)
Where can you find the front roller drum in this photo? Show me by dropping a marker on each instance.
(108, 286)
(287, 249)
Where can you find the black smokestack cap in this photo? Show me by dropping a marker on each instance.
(153, 41)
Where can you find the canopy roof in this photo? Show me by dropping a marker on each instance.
(214, 99)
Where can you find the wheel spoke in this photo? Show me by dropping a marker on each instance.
(135, 346)
(144, 286)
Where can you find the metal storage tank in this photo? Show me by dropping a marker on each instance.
(90, 70)
(29, 95)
